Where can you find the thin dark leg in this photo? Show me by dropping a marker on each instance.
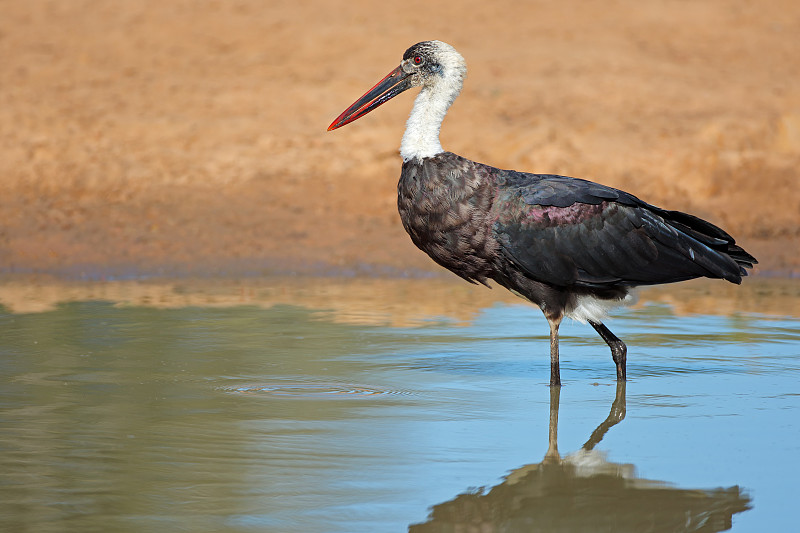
(555, 369)
(619, 351)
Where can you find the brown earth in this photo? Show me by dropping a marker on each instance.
(188, 137)
(382, 301)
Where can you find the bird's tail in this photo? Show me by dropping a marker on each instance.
(728, 260)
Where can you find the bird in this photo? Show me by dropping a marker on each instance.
(572, 247)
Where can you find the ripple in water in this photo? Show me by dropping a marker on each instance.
(310, 390)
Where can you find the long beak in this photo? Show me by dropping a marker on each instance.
(393, 84)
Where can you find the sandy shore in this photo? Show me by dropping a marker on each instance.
(378, 301)
(188, 138)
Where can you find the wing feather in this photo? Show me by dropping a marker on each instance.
(566, 231)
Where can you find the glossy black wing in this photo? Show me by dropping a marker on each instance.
(566, 231)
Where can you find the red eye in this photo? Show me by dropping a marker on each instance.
(417, 60)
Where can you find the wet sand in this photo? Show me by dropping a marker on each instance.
(188, 138)
(396, 302)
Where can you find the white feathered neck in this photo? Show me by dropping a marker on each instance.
(439, 90)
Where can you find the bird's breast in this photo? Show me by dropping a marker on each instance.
(443, 203)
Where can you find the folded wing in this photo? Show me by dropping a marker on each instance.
(566, 231)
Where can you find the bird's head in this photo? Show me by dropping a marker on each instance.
(433, 65)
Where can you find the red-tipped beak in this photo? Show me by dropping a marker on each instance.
(393, 84)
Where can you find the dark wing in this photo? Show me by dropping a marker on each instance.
(566, 231)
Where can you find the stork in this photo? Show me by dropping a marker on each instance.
(572, 247)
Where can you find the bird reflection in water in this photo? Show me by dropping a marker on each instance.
(584, 492)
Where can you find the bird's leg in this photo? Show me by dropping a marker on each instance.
(618, 349)
(555, 369)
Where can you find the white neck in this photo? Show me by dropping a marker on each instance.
(421, 138)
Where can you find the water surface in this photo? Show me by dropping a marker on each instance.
(342, 406)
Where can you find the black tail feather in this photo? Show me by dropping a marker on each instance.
(725, 255)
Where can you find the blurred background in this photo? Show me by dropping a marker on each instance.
(189, 137)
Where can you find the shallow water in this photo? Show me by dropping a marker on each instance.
(389, 406)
